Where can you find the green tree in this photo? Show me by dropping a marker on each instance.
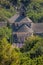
(35, 10)
(7, 33)
(8, 55)
(33, 45)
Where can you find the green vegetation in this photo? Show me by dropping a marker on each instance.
(32, 51)
(8, 55)
(30, 54)
(5, 32)
(6, 10)
(5, 14)
(34, 9)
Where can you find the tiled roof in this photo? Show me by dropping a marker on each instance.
(24, 28)
(37, 27)
(13, 18)
(18, 18)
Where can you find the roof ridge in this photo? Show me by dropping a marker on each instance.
(23, 28)
(23, 25)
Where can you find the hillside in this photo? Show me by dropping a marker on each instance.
(30, 54)
(6, 10)
(34, 9)
(21, 40)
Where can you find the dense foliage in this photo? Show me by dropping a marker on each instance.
(30, 54)
(7, 33)
(8, 55)
(6, 10)
(32, 51)
(34, 8)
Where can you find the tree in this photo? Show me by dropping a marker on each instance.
(8, 55)
(35, 10)
(33, 45)
(7, 33)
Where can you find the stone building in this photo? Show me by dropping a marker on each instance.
(37, 28)
(23, 27)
